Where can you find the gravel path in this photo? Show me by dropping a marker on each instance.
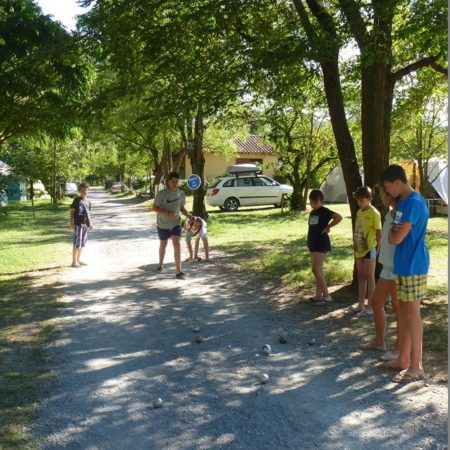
(127, 338)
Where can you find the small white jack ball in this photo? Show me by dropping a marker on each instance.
(267, 350)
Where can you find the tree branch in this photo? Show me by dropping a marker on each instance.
(441, 69)
(306, 23)
(428, 61)
(355, 21)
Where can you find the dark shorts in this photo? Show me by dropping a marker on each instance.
(372, 254)
(164, 234)
(80, 233)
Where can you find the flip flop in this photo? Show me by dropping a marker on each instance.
(408, 377)
(389, 356)
(325, 301)
(389, 365)
(315, 299)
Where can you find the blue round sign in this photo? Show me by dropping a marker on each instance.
(194, 182)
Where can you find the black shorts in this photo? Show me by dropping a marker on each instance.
(164, 234)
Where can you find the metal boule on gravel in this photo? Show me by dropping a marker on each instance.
(263, 378)
(198, 339)
(267, 350)
(195, 329)
(158, 403)
(282, 339)
(312, 342)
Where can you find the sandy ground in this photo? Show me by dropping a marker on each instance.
(127, 338)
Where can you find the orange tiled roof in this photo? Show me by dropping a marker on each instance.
(253, 144)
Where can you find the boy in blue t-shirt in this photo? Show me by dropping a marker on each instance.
(411, 264)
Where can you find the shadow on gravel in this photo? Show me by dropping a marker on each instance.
(322, 392)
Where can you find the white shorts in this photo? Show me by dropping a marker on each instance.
(387, 273)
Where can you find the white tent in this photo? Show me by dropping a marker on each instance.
(333, 188)
(438, 177)
(334, 191)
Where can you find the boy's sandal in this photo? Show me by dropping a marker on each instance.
(389, 356)
(391, 365)
(199, 259)
(324, 302)
(159, 268)
(180, 275)
(408, 377)
(371, 346)
(315, 299)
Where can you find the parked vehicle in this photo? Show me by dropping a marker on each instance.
(119, 186)
(71, 189)
(245, 187)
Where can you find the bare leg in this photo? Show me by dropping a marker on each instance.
(377, 301)
(189, 246)
(317, 268)
(369, 270)
(415, 331)
(206, 248)
(197, 244)
(400, 325)
(404, 358)
(162, 252)
(75, 256)
(362, 284)
(177, 252)
(318, 293)
(79, 256)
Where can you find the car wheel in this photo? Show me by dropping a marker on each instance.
(231, 204)
(277, 205)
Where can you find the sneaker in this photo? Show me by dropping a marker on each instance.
(159, 268)
(180, 275)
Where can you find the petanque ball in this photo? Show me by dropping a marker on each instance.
(198, 339)
(158, 403)
(263, 378)
(282, 340)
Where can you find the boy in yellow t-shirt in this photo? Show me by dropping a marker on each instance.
(366, 243)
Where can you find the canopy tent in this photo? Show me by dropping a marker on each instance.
(438, 177)
(334, 190)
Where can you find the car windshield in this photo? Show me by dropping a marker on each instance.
(214, 184)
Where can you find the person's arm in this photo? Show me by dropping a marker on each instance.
(72, 219)
(378, 238)
(186, 213)
(163, 212)
(336, 218)
(399, 232)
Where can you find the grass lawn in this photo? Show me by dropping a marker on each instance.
(27, 244)
(27, 304)
(272, 245)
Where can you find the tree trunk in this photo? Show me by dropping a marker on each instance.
(296, 196)
(197, 159)
(376, 110)
(344, 141)
(32, 197)
(166, 159)
(177, 159)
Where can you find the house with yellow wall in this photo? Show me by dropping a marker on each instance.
(251, 150)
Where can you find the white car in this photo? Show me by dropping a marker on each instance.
(71, 189)
(119, 186)
(229, 193)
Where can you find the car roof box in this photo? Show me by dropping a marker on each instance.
(241, 169)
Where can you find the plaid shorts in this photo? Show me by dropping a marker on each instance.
(411, 288)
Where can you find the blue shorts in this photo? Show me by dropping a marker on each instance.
(164, 234)
(80, 233)
(190, 236)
